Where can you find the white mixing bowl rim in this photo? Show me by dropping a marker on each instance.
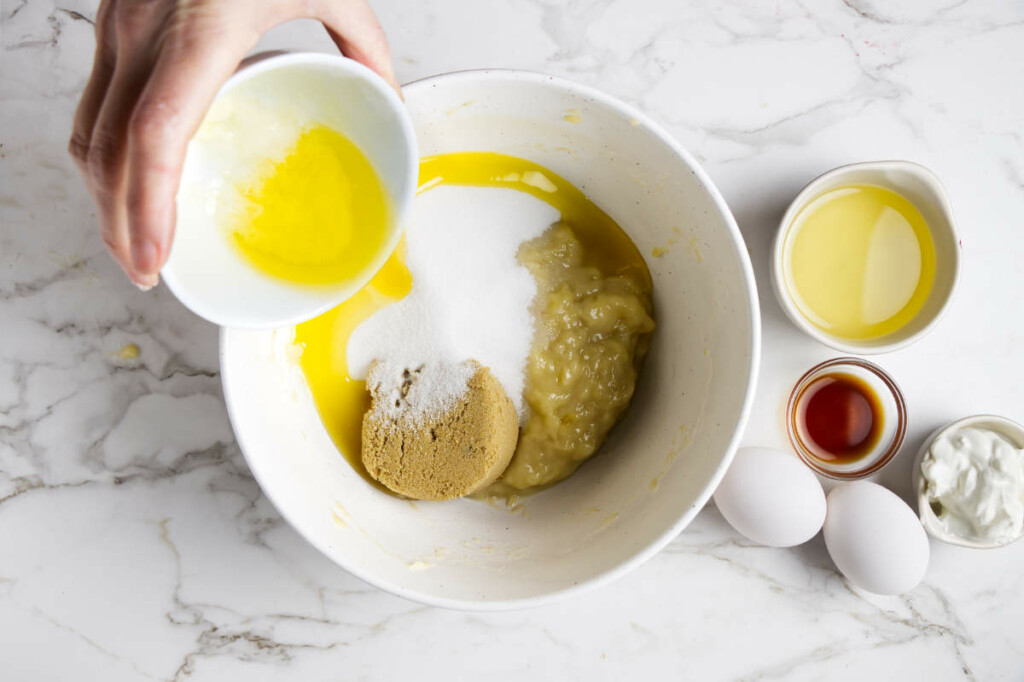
(668, 535)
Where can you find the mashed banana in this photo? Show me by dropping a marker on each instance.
(592, 334)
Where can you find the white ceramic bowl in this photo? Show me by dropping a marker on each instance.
(924, 190)
(209, 276)
(661, 464)
(1013, 431)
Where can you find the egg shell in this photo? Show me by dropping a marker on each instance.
(875, 539)
(771, 497)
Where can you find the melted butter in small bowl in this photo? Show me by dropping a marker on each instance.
(293, 192)
(867, 257)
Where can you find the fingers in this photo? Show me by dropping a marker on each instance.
(96, 88)
(135, 23)
(354, 28)
(200, 51)
(158, 66)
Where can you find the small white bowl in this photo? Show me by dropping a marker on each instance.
(1013, 431)
(661, 463)
(923, 189)
(209, 276)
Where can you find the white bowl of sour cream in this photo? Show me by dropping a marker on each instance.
(969, 479)
(661, 463)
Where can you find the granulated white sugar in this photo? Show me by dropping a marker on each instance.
(412, 393)
(470, 297)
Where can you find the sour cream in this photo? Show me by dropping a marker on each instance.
(973, 478)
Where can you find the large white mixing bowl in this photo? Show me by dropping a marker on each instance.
(663, 461)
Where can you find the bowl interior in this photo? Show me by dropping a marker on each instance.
(285, 93)
(660, 465)
(926, 192)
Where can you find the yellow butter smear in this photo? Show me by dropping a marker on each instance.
(341, 400)
(317, 216)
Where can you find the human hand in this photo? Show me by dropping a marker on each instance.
(158, 66)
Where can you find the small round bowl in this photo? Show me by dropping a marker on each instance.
(1013, 431)
(204, 271)
(894, 415)
(923, 189)
(661, 463)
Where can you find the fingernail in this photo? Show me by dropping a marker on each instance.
(145, 282)
(145, 258)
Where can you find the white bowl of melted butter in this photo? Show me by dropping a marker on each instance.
(293, 192)
(867, 258)
(660, 464)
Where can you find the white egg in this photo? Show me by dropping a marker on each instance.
(875, 539)
(771, 497)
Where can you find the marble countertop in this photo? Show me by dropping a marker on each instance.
(135, 545)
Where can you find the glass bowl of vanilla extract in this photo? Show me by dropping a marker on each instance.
(846, 418)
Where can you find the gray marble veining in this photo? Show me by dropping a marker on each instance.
(135, 545)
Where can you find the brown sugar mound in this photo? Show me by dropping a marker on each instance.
(443, 454)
